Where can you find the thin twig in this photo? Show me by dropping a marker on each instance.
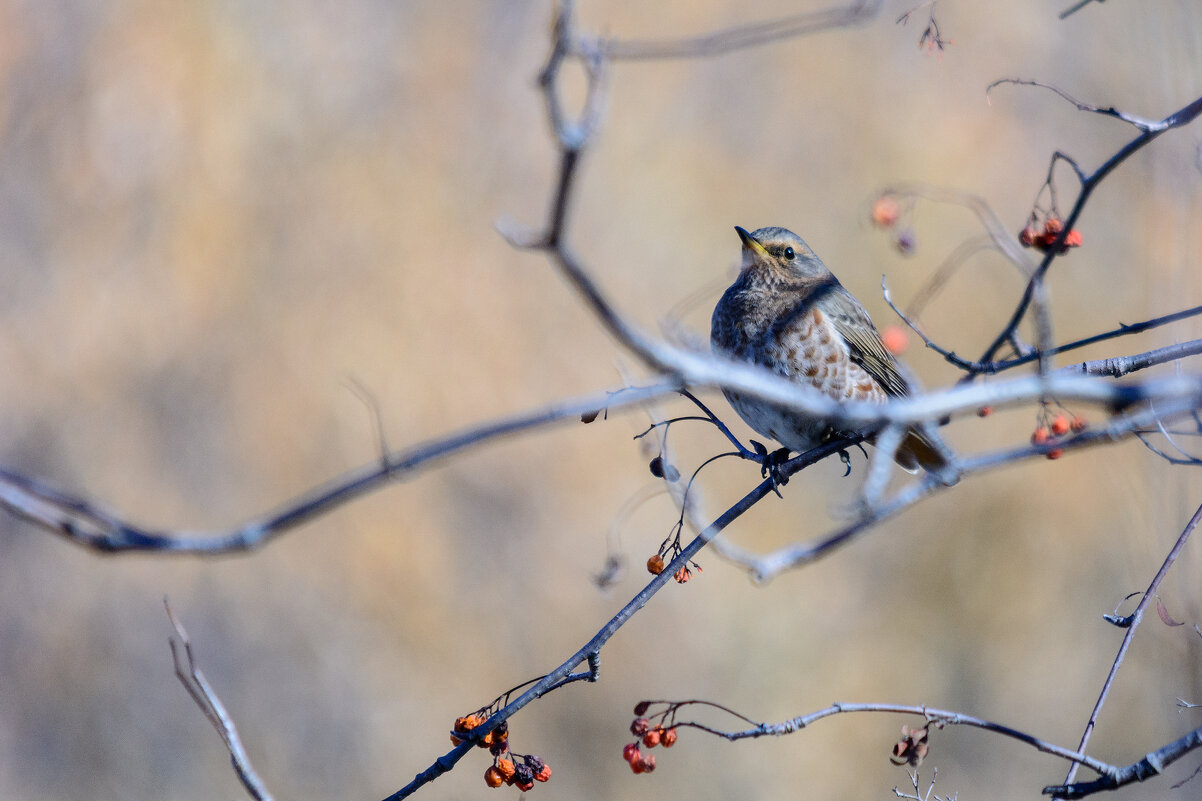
(1136, 618)
(194, 681)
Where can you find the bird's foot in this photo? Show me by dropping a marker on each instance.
(770, 465)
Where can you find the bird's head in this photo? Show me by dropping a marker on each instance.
(778, 254)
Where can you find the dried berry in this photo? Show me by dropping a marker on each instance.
(589, 417)
(544, 774)
(1053, 226)
(1073, 240)
(506, 767)
(669, 738)
(1027, 236)
(493, 777)
(641, 708)
(647, 762)
(682, 575)
(640, 726)
(657, 467)
(522, 774)
(655, 566)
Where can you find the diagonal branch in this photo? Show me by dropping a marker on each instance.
(1135, 618)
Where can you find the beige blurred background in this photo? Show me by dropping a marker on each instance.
(214, 216)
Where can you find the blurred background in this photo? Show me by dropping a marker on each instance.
(215, 217)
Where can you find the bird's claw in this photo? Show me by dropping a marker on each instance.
(845, 457)
(770, 468)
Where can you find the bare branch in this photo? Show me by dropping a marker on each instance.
(1138, 122)
(86, 523)
(194, 681)
(1136, 617)
(740, 37)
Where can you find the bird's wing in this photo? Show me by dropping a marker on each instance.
(864, 342)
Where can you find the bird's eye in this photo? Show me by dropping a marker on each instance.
(789, 254)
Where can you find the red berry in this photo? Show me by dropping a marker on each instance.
(1027, 236)
(1040, 436)
(651, 738)
(639, 726)
(1053, 226)
(669, 738)
(1055, 453)
(885, 211)
(524, 786)
(1060, 425)
(1073, 240)
(630, 752)
(895, 339)
(543, 774)
(984, 411)
(648, 762)
(1078, 425)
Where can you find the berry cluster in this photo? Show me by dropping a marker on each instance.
(649, 735)
(886, 213)
(1032, 237)
(506, 767)
(1055, 429)
(655, 566)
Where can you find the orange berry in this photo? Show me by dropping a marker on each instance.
(682, 575)
(885, 211)
(1078, 425)
(543, 774)
(630, 751)
(651, 738)
(1073, 240)
(1040, 436)
(1052, 226)
(655, 565)
(895, 339)
(506, 767)
(1060, 425)
(493, 777)
(1055, 453)
(1027, 236)
(669, 738)
(984, 411)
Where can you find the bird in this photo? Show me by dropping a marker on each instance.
(788, 313)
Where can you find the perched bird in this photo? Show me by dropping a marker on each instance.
(787, 312)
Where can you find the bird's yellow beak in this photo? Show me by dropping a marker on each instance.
(750, 244)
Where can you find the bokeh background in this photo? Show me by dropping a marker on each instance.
(215, 217)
